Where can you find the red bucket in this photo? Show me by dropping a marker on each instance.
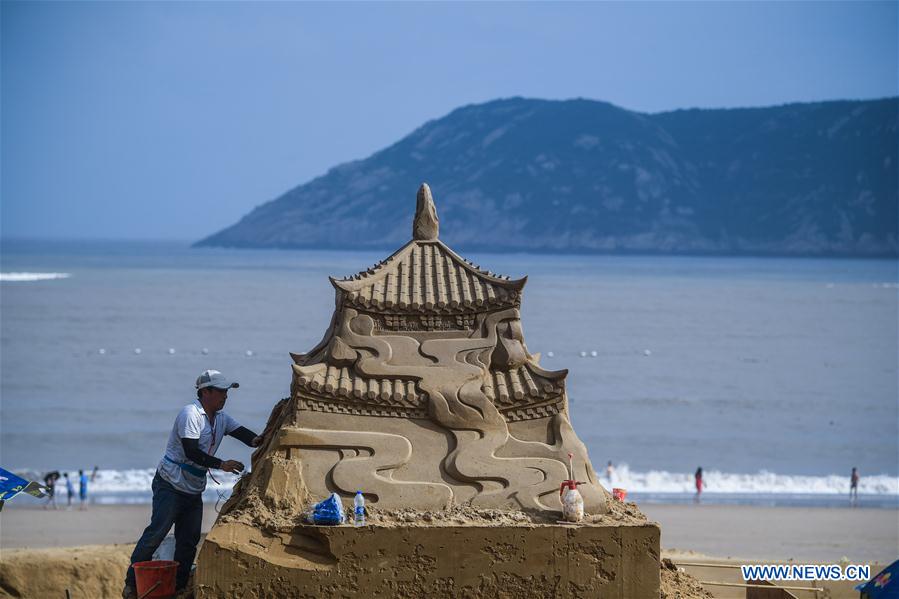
(160, 573)
(619, 494)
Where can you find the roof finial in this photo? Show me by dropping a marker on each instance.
(426, 225)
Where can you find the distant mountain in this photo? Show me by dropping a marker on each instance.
(587, 176)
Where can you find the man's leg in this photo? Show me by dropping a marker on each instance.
(165, 508)
(187, 535)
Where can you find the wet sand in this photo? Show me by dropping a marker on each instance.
(37, 528)
(822, 535)
(725, 531)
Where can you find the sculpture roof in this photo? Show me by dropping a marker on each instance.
(425, 274)
(423, 289)
(428, 275)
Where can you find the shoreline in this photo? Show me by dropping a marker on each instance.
(823, 535)
(779, 500)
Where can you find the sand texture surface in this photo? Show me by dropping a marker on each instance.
(255, 551)
(809, 534)
(96, 572)
(677, 584)
(33, 527)
(689, 533)
(89, 572)
(619, 513)
(822, 535)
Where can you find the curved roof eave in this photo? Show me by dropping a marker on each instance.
(380, 270)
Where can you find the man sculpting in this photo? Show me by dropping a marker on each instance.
(181, 475)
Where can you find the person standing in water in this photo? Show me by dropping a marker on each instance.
(82, 489)
(699, 484)
(853, 485)
(50, 483)
(70, 489)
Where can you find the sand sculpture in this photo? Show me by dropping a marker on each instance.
(423, 395)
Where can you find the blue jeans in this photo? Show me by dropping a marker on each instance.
(171, 506)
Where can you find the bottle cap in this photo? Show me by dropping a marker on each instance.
(358, 492)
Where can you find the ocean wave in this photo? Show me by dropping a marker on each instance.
(762, 482)
(653, 481)
(32, 276)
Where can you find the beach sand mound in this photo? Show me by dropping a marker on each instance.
(461, 515)
(253, 510)
(88, 572)
(677, 584)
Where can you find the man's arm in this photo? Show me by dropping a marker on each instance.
(195, 454)
(246, 436)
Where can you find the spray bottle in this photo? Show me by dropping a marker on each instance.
(572, 502)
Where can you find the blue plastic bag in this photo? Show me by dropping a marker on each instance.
(329, 511)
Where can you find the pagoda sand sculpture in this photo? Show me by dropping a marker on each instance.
(423, 395)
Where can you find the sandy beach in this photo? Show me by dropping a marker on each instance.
(37, 528)
(780, 533)
(89, 549)
(724, 531)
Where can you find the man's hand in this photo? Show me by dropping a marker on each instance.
(257, 441)
(232, 466)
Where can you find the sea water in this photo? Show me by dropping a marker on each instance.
(777, 376)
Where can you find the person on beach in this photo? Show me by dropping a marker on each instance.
(50, 483)
(699, 484)
(610, 472)
(82, 489)
(853, 485)
(70, 490)
(181, 475)
(94, 473)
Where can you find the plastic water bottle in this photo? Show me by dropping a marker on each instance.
(359, 509)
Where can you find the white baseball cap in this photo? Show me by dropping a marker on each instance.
(214, 378)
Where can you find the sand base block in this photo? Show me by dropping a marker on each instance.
(593, 560)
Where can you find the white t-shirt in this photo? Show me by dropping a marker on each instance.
(193, 423)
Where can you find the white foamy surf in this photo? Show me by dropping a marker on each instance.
(32, 276)
(763, 482)
(129, 486)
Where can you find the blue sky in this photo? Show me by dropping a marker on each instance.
(171, 121)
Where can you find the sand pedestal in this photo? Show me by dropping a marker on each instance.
(527, 560)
